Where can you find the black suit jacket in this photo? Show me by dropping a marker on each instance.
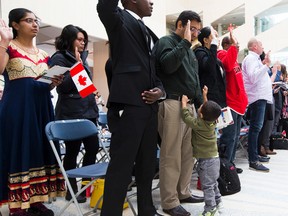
(133, 66)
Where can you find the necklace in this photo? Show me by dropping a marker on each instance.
(32, 51)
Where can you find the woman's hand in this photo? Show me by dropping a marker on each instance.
(56, 80)
(6, 36)
(5, 33)
(78, 55)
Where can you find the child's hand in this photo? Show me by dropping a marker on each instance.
(204, 93)
(205, 90)
(184, 99)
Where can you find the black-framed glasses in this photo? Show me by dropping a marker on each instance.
(31, 20)
(195, 30)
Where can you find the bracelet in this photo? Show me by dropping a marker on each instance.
(3, 47)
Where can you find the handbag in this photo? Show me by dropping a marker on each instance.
(284, 113)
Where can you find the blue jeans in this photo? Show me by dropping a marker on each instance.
(257, 113)
(230, 137)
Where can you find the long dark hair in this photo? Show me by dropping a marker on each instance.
(68, 36)
(16, 15)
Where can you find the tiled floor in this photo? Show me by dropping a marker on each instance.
(262, 194)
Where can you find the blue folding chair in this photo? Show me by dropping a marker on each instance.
(104, 137)
(68, 130)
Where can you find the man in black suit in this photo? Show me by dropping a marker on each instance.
(132, 104)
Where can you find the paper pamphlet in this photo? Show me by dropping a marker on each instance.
(48, 74)
(225, 118)
(283, 85)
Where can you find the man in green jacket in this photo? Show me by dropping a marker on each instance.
(177, 68)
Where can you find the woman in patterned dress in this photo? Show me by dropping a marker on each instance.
(29, 174)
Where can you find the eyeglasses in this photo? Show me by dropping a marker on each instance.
(82, 40)
(31, 20)
(195, 30)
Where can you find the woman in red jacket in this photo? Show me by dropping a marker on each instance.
(236, 97)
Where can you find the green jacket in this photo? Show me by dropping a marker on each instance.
(204, 140)
(177, 67)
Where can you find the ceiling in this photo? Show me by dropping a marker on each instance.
(48, 33)
(237, 17)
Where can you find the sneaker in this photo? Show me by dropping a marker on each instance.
(257, 166)
(212, 212)
(263, 159)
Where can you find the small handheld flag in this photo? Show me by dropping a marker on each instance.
(81, 79)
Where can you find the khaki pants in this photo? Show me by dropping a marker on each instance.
(176, 158)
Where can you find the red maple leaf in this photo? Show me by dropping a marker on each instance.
(82, 80)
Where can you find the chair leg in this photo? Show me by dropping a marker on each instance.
(131, 207)
(241, 140)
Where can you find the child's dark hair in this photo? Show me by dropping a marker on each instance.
(210, 111)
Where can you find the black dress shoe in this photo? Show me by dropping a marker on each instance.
(80, 198)
(192, 199)
(38, 209)
(239, 170)
(177, 211)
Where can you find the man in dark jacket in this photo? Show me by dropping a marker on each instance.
(132, 111)
(177, 68)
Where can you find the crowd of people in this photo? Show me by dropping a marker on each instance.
(162, 93)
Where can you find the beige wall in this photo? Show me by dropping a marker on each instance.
(59, 13)
(99, 77)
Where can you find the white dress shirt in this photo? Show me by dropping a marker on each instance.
(257, 82)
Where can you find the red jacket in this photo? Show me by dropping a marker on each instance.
(236, 96)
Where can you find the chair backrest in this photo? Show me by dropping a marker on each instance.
(70, 129)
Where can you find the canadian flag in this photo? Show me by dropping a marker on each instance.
(82, 80)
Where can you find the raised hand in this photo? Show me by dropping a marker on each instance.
(187, 32)
(267, 59)
(77, 55)
(232, 37)
(5, 33)
(214, 33)
(204, 93)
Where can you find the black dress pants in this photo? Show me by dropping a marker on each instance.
(133, 141)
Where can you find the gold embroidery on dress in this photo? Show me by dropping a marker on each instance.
(35, 185)
(26, 64)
